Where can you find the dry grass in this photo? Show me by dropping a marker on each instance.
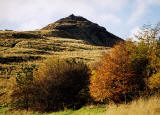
(16, 112)
(139, 107)
(27, 50)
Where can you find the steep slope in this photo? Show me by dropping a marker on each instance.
(78, 27)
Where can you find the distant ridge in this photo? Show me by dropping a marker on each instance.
(78, 27)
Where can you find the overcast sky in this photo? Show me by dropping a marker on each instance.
(120, 17)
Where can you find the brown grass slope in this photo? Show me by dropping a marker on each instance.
(29, 48)
(71, 37)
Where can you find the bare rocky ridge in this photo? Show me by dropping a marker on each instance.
(78, 27)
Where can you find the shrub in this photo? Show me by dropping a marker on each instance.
(61, 84)
(113, 78)
(55, 85)
(16, 91)
(21, 88)
(5, 89)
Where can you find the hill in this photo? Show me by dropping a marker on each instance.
(72, 37)
(78, 27)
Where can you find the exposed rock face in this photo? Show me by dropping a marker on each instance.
(78, 27)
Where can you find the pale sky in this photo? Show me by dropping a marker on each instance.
(120, 17)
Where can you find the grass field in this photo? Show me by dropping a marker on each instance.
(140, 107)
(82, 111)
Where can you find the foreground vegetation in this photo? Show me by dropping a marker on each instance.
(149, 106)
(129, 72)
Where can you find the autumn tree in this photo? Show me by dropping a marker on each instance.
(149, 43)
(113, 78)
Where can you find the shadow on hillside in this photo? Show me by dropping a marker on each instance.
(7, 60)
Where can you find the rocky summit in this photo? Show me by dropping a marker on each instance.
(78, 27)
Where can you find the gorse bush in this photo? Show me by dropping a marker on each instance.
(56, 84)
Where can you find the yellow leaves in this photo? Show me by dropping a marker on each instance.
(93, 72)
(111, 78)
(154, 81)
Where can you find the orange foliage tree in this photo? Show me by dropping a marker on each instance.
(113, 78)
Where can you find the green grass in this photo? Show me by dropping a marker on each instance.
(3, 110)
(82, 111)
(88, 110)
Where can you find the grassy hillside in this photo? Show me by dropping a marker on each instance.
(17, 48)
